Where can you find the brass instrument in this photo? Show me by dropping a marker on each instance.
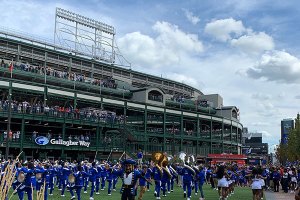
(164, 166)
(71, 178)
(8, 177)
(187, 161)
(40, 195)
(157, 158)
(21, 177)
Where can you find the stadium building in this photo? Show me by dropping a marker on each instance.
(70, 102)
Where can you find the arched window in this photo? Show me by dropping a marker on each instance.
(155, 95)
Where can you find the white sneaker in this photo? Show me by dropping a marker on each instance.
(102, 189)
(91, 198)
(73, 197)
(85, 192)
(97, 193)
(196, 194)
(114, 190)
(188, 198)
(109, 194)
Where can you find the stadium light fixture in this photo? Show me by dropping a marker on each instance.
(65, 14)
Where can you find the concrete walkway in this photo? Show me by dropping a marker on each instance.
(279, 195)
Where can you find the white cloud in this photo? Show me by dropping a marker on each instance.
(277, 66)
(223, 29)
(168, 48)
(183, 79)
(261, 96)
(254, 42)
(191, 17)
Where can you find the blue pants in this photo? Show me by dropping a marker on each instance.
(63, 184)
(201, 190)
(27, 189)
(164, 187)
(51, 185)
(97, 184)
(109, 186)
(92, 189)
(187, 186)
(196, 186)
(77, 190)
(157, 188)
(103, 180)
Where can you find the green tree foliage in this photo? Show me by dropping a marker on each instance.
(291, 150)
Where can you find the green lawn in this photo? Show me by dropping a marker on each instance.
(240, 194)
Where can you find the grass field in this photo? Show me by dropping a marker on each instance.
(240, 194)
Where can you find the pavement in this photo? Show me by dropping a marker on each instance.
(279, 195)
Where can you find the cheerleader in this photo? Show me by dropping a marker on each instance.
(256, 185)
(222, 182)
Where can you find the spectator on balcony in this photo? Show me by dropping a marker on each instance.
(49, 135)
(70, 137)
(18, 133)
(2, 63)
(34, 135)
(81, 137)
(4, 135)
(10, 135)
(59, 136)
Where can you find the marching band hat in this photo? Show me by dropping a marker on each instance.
(128, 162)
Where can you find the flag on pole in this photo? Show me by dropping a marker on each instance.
(10, 68)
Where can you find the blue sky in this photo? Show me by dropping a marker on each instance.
(247, 51)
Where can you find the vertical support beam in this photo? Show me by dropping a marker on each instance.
(63, 136)
(211, 139)
(164, 130)
(145, 126)
(197, 135)
(181, 132)
(97, 137)
(22, 136)
(8, 119)
(75, 101)
(19, 52)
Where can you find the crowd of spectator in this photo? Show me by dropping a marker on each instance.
(11, 136)
(92, 114)
(72, 76)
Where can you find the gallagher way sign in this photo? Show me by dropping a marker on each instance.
(69, 143)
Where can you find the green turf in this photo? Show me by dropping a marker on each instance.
(240, 194)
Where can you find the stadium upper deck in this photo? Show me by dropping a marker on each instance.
(67, 94)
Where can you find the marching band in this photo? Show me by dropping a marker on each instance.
(164, 171)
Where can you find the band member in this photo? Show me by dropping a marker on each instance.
(27, 185)
(109, 177)
(92, 177)
(187, 174)
(143, 182)
(78, 184)
(157, 175)
(201, 181)
(64, 178)
(130, 178)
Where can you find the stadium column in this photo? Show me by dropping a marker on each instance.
(18, 56)
(164, 130)
(22, 134)
(222, 136)
(197, 134)
(210, 131)
(63, 136)
(98, 132)
(145, 127)
(181, 131)
(231, 129)
(8, 119)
